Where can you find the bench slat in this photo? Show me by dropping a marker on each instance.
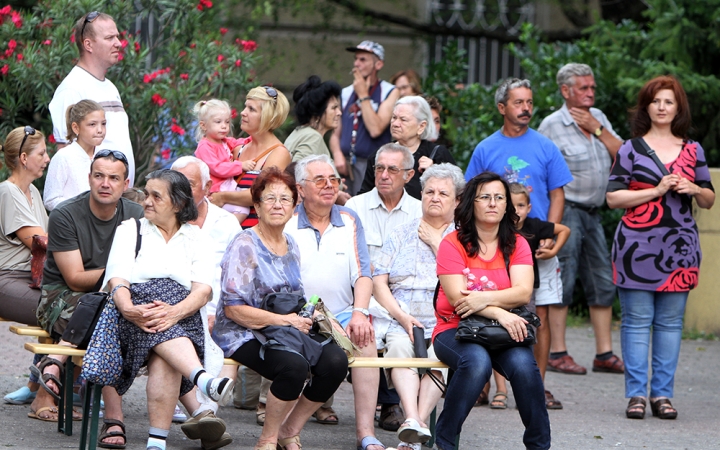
(28, 331)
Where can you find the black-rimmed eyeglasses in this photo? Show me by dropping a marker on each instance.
(29, 131)
(271, 91)
(89, 19)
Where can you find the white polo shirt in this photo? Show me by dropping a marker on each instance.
(331, 263)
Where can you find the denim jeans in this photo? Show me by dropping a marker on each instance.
(663, 311)
(586, 254)
(473, 366)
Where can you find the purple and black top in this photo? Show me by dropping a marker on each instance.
(656, 245)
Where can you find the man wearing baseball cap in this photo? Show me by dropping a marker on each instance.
(367, 107)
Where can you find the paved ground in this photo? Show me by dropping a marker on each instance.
(593, 417)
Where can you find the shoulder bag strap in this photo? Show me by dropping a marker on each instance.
(651, 153)
(258, 158)
(138, 241)
(434, 151)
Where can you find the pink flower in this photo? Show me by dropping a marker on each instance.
(51, 138)
(137, 47)
(233, 113)
(5, 10)
(16, 19)
(238, 63)
(182, 53)
(220, 58)
(223, 31)
(192, 45)
(158, 100)
(204, 4)
(47, 42)
(5, 69)
(147, 79)
(72, 38)
(184, 76)
(248, 46)
(19, 56)
(165, 153)
(123, 43)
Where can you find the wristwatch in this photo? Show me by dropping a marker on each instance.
(362, 310)
(599, 131)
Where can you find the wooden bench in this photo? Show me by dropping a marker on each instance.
(93, 391)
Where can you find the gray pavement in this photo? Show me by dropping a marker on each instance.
(593, 417)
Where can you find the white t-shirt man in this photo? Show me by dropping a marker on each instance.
(81, 85)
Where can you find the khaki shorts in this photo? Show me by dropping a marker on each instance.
(398, 345)
(57, 305)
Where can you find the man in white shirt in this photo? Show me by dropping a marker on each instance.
(97, 38)
(381, 210)
(221, 227)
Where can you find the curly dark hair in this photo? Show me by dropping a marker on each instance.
(465, 218)
(311, 98)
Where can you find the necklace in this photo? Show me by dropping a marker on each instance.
(266, 241)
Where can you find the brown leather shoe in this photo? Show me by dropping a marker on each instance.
(567, 365)
(611, 365)
(391, 417)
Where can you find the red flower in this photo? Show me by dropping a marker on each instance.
(5, 11)
(165, 153)
(147, 79)
(51, 138)
(12, 44)
(682, 279)
(223, 31)
(184, 76)
(5, 69)
(72, 38)
(123, 43)
(182, 53)
(204, 4)
(19, 56)
(17, 19)
(238, 63)
(47, 42)
(233, 113)
(248, 46)
(220, 58)
(158, 100)
(175, 128)
(192, 45)
(137, 47)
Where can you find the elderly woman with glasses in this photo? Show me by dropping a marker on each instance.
(266, 109)
(22, 216)
(262, 260)
(412, 126)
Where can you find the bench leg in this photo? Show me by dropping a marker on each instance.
(65, 405)
(431, 442)
(90, 422)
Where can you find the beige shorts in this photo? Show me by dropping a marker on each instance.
(398, 345)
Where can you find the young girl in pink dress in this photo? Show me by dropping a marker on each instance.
(220, 151)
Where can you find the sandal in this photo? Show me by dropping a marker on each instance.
(482, 399)
(367, 441)
(326, 416)
(36, 414)
(104, 433)
(43, 378)
(412, 432)
(663, 409)
(260, 414)
(499, 401)
(267, 447)
(282, 443)
(551, 402)
(636, 408)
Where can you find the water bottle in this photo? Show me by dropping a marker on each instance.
(487, 285)
(309, 308)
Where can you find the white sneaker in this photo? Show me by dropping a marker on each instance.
(179, 416)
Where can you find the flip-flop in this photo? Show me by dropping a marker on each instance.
(36, 414)
(367, 441)
(326, 416)
(43, 378)
(499, 401)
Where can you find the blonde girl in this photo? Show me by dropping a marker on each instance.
(219, 150)
(70, 167)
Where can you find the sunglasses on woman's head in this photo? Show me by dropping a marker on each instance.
(29, 131)
(270, 91)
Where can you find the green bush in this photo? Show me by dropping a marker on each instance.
(189, 57)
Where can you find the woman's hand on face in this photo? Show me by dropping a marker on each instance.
(423, 163)
(473, 302)
(667, 183)
(298, 322)
(514, 324)
(685, 186)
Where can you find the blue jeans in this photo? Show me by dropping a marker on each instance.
(663, 311)
(473, 366)
(586, 254)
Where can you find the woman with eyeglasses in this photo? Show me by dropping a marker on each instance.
(412, 126)
(262, 260)
(266, 109)
(487, 244)
(22, 216)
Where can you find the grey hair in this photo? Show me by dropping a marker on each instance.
(567, 73)
(301, 172)
(503, 91)
(445, 171)
(408, 161)
(422, 112)
(184, 161)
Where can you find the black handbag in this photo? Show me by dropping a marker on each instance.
(82, 323)
(488, 332)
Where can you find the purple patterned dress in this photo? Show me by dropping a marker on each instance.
(656, 246)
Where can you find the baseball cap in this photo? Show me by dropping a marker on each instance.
(370, 47)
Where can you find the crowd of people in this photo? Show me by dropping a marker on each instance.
(201, 264)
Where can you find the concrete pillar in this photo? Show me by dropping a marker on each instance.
(703, 307)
